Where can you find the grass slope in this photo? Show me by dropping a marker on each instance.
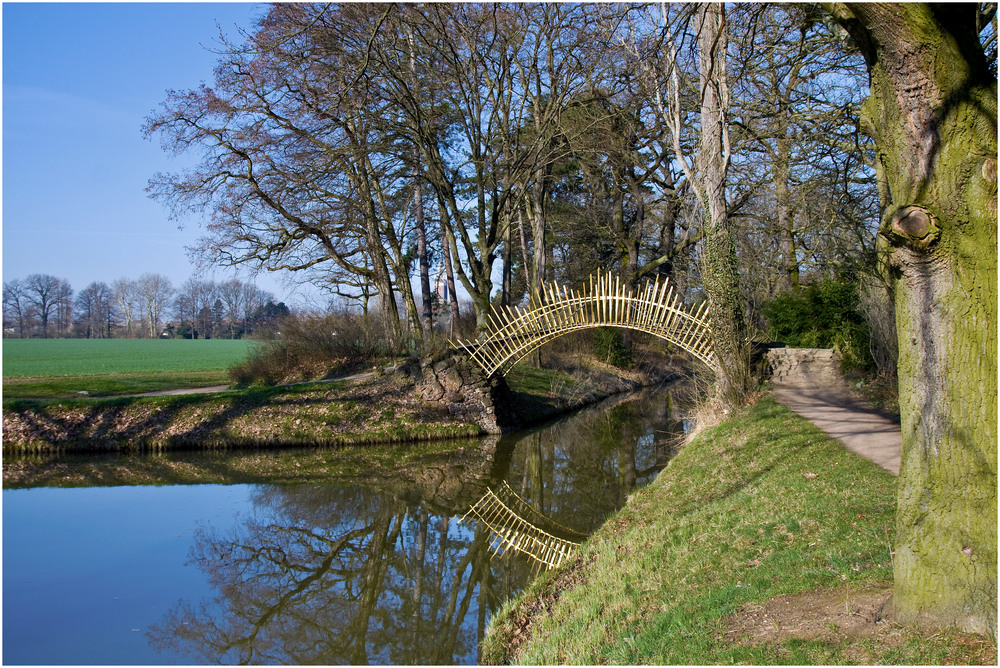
(763, 505)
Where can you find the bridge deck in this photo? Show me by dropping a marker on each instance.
(513, 333)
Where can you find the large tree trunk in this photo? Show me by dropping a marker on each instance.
(449, 275)
(538, 266)
(721, 272)
(380, 271)
(933, 113)
(426, 318)
(506, 275)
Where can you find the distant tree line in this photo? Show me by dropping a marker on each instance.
(150, 307)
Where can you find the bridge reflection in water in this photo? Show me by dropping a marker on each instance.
(515, 525)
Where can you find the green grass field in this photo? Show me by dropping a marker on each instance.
(58, 368)
(38, 358)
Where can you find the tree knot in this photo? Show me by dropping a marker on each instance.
(912, 226)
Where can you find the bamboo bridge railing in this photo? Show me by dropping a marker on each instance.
(512, 333)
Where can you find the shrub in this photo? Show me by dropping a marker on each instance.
(823, 315)
(610, 346)
(876, 305)
(465, 327)
(315, 346)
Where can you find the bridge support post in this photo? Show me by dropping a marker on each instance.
(457, 384)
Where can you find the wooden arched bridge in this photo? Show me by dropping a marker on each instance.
(513, 333)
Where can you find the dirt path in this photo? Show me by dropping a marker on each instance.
(222, 388)
(808, 382)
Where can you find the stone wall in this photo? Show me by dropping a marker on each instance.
(804, 366)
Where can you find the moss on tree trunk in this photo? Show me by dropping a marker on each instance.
(933, 110)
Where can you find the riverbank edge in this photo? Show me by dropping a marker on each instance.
(758, 512)
(387, 409)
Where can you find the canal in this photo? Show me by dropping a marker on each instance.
(384, 572)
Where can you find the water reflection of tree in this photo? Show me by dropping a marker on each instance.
(583, 468)
(331, 575)
(323, 574)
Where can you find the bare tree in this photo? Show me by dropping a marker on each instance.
(707, 173)
(486, 121)
(64, 308)
(45, 294)
(16, 309)
(93, 306)
(233, 294)
(466, 50)
(155, 291)
(420, 227)
(566, 58)
(721, 269)
(193, 298)
(126, 299)
(805, 167)
(295, 169)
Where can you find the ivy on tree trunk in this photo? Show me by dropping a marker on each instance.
(721, 270)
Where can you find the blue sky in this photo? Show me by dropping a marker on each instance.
(78, 81)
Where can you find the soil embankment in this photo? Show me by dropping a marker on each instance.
(381, 410)
(436, 398)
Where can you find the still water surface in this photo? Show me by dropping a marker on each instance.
(306, 573)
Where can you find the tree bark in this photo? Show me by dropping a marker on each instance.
(538, 229)
(381, 276)
(933, 110)
(449, 275)
(507, 273)
(786, 218)
(721, 271)
(426, 316)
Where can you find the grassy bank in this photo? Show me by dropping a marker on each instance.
(374, 410)
(762, 506)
